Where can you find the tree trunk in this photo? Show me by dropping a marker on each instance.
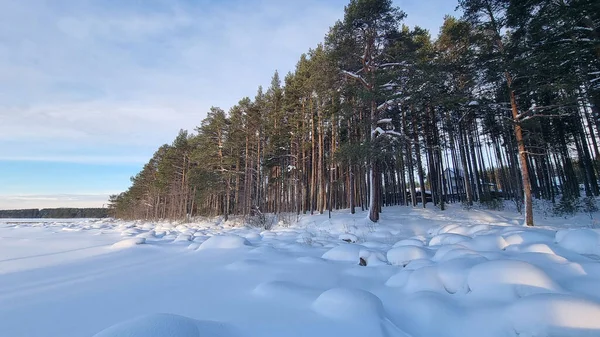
(522, 157)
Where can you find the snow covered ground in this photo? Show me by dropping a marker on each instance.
(428, 273)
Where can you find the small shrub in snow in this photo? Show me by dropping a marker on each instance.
(566, 207)
(589, 206)
(493, 204)
(289, 219)
(258, 219)
(466, 206)
(350, 238)
(307, 240)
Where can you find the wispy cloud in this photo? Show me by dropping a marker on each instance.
(103, 73)
(53, 201)
(108, 82)
(78, 159)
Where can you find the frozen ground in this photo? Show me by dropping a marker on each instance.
(428, 273)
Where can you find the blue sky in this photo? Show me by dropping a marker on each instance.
(91, 88)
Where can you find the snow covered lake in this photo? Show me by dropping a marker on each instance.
(428, 273)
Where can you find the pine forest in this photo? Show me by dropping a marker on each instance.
(503, 105)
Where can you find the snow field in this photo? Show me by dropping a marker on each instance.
(166, 325)
(417, 273)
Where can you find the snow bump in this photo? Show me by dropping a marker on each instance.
(349, 303)
(224, 242)
(127, 243)
(166, 325)
(402, 255)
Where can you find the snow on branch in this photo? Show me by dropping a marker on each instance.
(531, 113)
(356, 77)
(380, 131)
(393, 64)
(385, 105)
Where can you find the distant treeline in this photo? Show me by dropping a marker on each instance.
(56, 213)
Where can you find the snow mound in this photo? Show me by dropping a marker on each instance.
(372, 258)
(127, 243)
(447, 239)
(515, 238)
(581, 241)
(349, 303)
(130, 232)
(224, 242)
(555, 315)
(449, 252)
(453, 273)
(508, 278)
(252, 237)
(425, 279)
(166, 325)
(402, 255)
(400, 279)
(183, 237)
(453, 229)
(542, 248)
(409, 242)
(418, 264)
(344, 252)
(485, 243)
(146, 235)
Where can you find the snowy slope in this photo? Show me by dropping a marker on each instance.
(428, 273)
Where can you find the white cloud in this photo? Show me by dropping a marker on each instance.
(53, 201)
(79, 159)
(89, 74)
(99, 82)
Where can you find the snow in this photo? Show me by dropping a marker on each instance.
(506, 278)
(418, 272)
(224, 242)
(348, 303)
(128, 243)
(165, 325)
(402, 255)
(582, 241)
(344, 253)
(351, 238)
